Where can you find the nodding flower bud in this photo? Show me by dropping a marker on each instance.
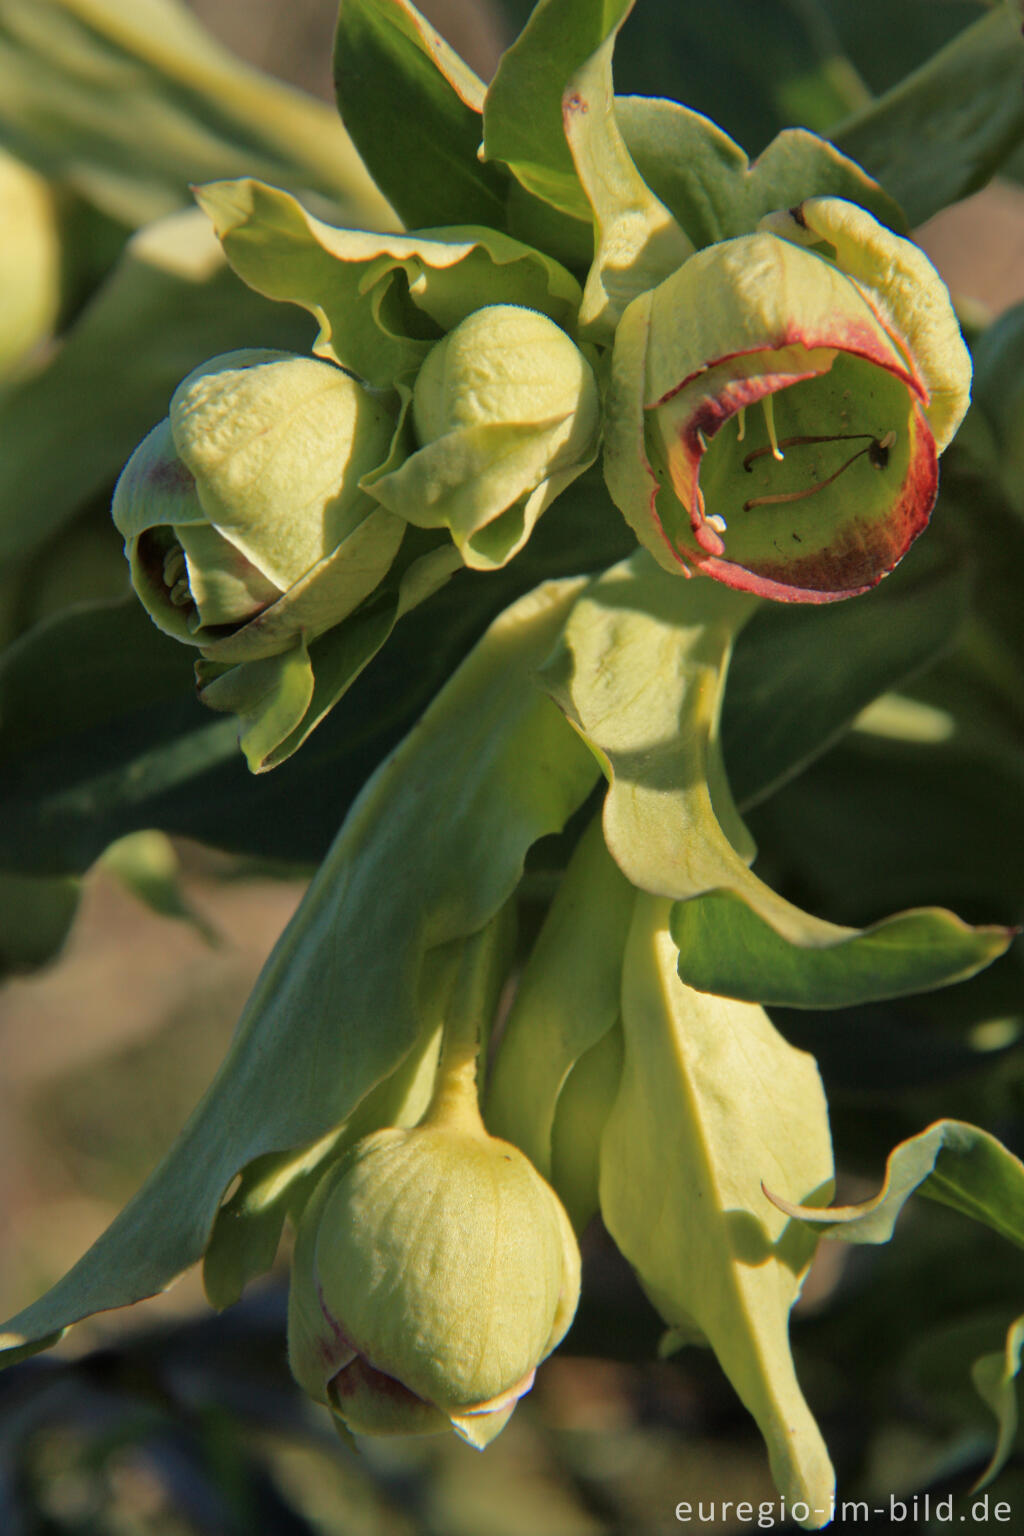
(778, 405)
(242, 513)
(506, 414)
(433, 1270)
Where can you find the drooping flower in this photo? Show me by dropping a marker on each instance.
(243, 517)
(434, 1269)
(778, 405)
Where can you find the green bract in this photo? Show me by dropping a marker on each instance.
(434, 1269)
(843, 333)
(242, 514)
(506, 410)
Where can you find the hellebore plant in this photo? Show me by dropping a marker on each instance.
(768, 371)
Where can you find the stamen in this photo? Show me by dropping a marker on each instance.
(702, 440)
(717, 522)
(878, 455)
(769, 415)
(741, 423)
(174, 565)
(181, 594)
(797, 442)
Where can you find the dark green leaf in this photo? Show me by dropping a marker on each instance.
(413, 109)
(943, 131)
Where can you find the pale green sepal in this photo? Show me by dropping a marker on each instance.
(899, 281)
(490, 767)
(713, 1101)
(716, 192)
(640, 672)
(269, 696)
(637, 241)
(487, 484)
(995, 1377)
(347, 278)
(567, 999)
(629, 475)
(325, 595)
(952, 1162)
(479, 1429)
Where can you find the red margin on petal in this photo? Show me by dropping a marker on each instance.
(847, 569)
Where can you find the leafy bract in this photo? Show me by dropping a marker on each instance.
(640, 673)
(431, 850)
(945, 129)
(711, 1097)
(413, 109)
(716, 192)
(995, 1376)
(127, 101)
(380, 300)
(954, 1163)
(170, 303)
(566, 1002)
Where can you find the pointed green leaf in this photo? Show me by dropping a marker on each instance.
(716, 192)
(995, 1377)
(269, 697)
(941, 133)
(640, 674)
(711, 1098)
(957, 1164)
(413, 109)
(129, 102)
(566, 1001)
(430, 851)
(380, 300)
(247, 1230)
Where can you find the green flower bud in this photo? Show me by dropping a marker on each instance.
(434, 1269)
(242, 513)
(29, 261)
(506, 412)
(843, 337)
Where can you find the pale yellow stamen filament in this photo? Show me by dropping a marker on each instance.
(769, 416)
(741, 423)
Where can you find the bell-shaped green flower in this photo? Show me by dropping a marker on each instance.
(242, 512)
(434, 1269)
(506, 414)
(778, 405)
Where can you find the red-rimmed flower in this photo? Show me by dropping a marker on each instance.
(778, 405)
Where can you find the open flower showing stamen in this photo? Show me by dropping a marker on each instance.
(841, 337)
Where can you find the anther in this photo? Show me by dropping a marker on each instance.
(877, 452)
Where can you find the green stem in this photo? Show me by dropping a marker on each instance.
(455, 1102)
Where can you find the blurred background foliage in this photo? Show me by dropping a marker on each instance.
(175, 1423)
